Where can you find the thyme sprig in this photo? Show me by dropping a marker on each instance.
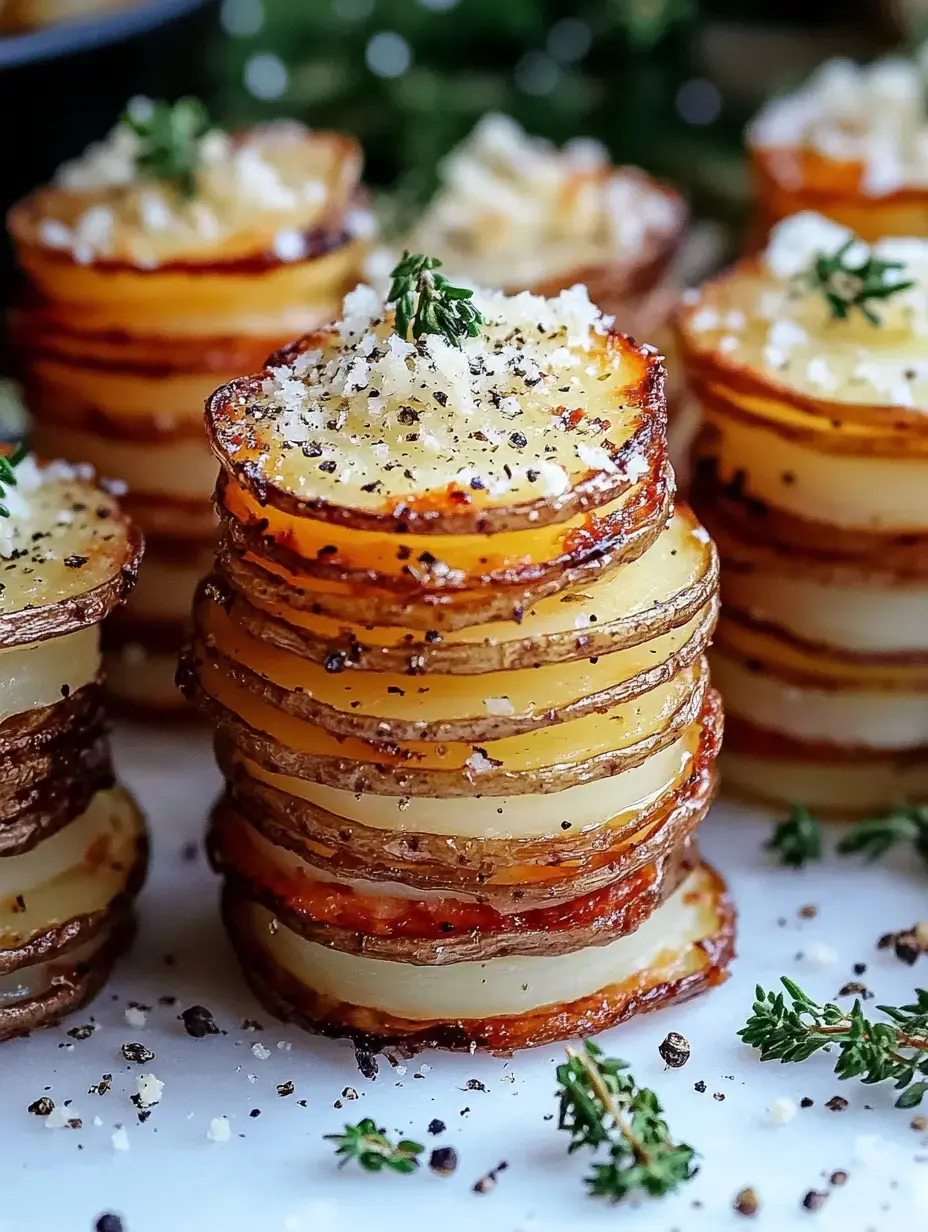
(428, 303)
(798, 839)
(8, 464)
(373, 1150)
(873, 838)
(847, 285)
(169, 136)
(602, 1107)
(794, 1027)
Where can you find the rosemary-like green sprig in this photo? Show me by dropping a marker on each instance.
(428, 303)
(8, 464)
(847, 286)
(602, 1107)
(797, 839)
(373, 1150)
(905, 823)
(794, 1029)
(169, 136)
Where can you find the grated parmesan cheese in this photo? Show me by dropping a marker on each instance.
(869, 114)
(150, 1089)
(269, 188)
(514, 210)
(777, 321)
(30, 477)
(509, 415)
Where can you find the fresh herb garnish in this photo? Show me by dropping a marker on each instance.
(847, 286)
(169, 136)
(906, 823)
(373, 1150)
(8, 464)
(601, 1107)
(797, 839)
(895, 1050)
(427, 301)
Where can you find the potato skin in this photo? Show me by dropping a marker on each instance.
(287, 999)
(52, 762)
(76, 987)
(447, 862)
(241, 587)
(231, 414)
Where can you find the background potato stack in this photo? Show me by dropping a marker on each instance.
(167, 259)
(72, 842)
(811, 475)
(515, 212)
(453, 647)
(852, 144)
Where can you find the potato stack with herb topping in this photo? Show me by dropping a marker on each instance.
(812, 473)
(72, 842)
(453, 647)
(165, 260)
(516, 212)
(852, 144)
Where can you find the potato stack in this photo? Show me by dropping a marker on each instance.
(812, 473)
(517, 213)
(453, 648)
(165, 260)
(72, 841)
(852, 144)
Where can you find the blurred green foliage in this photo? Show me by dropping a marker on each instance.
(611, 69)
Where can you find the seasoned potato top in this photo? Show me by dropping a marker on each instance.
(544, 399)
(64, 538)
(260, 193)
(774, 317)
(514, 210)
(872, 115)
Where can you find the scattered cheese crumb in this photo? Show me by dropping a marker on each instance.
(59, 1117)
(782, 1110)
(135, 1017)
(260, 1051)
(219, 1129)
(149, 1089)
(120, 1139)
(818, 954)
(498, 707)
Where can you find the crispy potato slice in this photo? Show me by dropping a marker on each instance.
(681, 950)
(70, 555)
(588, 432)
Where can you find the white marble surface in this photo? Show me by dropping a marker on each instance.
(275, 1174)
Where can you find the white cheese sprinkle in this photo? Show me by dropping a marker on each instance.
(219, 1129)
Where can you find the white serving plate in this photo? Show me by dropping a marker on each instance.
(276, 1174)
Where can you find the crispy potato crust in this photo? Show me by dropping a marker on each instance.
(302, 705)
(457, 935)
(401, 778)
(230, 425)
(240, 586)
(287, 999)
(904, 556)
(742, 736)
(59, 940)
(52, 762)
(73, 986)
(723, 380)
(833, 188)
(41, 598)
(503, 594)
(447, 862)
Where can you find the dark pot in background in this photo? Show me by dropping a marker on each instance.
(64, 86)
